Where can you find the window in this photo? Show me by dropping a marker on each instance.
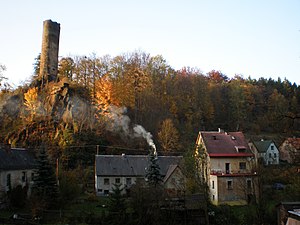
(24, 177)
(213, 184)
(117, 180)
(272, 147)
(106, 192)
(8, 181)
(249, 184)
(270, 155)
(106, 181)
(242, 165)
(213, 197)
(128, 181)
(241, 149)
(229, 185)
(275, 155)
(227, 168)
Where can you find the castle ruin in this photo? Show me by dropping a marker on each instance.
(49, 54)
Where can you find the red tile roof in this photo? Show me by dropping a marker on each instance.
(223, 144)
(295, 142)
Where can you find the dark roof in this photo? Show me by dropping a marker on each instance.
(131, 165)
(16, 159)
(289, 205)
(262, 146)
(223, 144)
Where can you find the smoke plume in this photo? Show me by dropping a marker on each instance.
(140, 131)
(119, 122)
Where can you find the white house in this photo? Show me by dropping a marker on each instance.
(126, 170)
(16, 168)
(265, 150)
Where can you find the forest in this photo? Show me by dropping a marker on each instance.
(129, 104)
(117, 104)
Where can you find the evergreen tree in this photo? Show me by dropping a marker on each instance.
(153, 175)
(117, 206)
(116, 199)
(45, 185)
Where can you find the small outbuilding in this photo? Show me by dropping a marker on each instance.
(17, 167)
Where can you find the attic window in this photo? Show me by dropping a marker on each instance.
(240, 149)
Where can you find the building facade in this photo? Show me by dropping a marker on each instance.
(17, 167)
(266, 151)
(126, 170)
(227, 166)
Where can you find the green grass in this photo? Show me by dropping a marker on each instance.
(89, 206)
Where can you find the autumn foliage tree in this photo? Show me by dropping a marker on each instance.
(31, 102)
(168, 136)
(150, 90)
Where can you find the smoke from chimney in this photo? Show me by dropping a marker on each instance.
(140, 131)
(119, 122)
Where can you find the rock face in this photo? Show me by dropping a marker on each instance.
(49, 54)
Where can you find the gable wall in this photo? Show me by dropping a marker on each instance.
(175, 181)
(271, 160)
(16, 178)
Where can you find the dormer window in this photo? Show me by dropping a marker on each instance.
(240, 149)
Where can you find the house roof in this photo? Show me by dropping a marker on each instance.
(263, 145)
(295, 142)
(131, 165)
(223, 144)
(16, 159)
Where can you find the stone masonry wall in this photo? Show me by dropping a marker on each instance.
(49, 54)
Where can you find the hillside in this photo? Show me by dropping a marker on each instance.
(101, 101)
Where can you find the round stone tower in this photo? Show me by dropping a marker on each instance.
(49, 54)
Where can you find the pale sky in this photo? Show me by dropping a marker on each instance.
(257, 38)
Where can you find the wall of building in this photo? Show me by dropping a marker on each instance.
(17, 177)
(213, 189)
(271, 155)
(217, 165)
(105, 185)
(176, 182)
(237, 192)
